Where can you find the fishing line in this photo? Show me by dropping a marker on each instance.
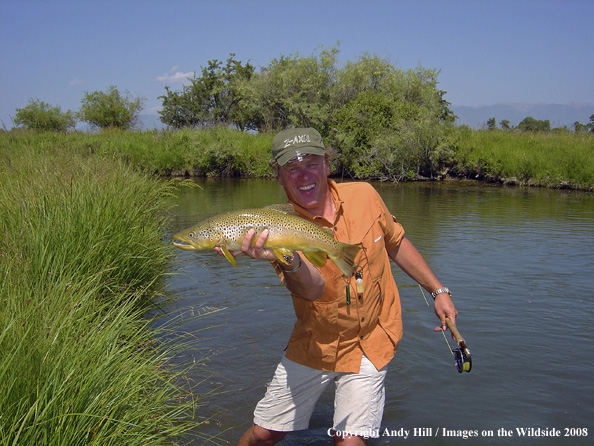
(442, 331)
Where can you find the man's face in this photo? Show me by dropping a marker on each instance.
(305, 181)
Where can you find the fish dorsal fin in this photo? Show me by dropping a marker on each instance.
(287, 208)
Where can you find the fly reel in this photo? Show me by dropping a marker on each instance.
(462, 358)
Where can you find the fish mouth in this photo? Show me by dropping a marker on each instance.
(183, 245)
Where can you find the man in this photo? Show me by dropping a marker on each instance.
(347, 328)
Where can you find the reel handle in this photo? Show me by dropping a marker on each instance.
(455, 332)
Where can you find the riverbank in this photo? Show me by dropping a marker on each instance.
(82, 262)
(556, 160)
(563, 160)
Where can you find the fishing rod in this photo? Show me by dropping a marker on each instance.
(462, 358)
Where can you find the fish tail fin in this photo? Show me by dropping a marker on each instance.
(346, 258)
(228, 255)
(317, 258)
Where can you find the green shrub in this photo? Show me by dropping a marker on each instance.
(38, 115)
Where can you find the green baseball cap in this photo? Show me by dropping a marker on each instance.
(294, 142)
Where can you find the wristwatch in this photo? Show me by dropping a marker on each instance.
(439, 291)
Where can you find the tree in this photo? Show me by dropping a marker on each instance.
(182, 109)
(529, 124)
(110, 109)
(505, 124)
(294, 91)
(390, 123)
(383, 122)
(491, 124)
(216, 97)
(227, 92)
(38, 115)
(578, 127)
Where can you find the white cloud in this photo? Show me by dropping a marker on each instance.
(174, 68)
(177, 77)
(77, 82)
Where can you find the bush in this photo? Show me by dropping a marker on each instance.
(38, 115)
(110, 109)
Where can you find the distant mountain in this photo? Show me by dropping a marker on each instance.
(558, 115)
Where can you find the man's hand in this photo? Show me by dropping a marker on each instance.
(255, 252)
(444, 307)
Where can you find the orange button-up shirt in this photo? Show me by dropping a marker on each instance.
(333, 332)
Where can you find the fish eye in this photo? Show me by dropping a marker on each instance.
(192, 234)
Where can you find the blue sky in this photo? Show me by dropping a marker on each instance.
(489, 52)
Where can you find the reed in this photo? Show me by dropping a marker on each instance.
(82, 261)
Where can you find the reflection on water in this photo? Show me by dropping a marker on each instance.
(519, 263)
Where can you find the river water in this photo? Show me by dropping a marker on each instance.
(520, 265)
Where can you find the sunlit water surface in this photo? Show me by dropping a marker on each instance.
(520, 264)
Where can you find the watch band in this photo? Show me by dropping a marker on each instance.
(440, 291)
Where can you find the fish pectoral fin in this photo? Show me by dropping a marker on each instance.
(280, 252)
(317, 258)
(228, 255)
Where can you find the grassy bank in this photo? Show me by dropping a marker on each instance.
(212, 152)
(538, 159)
(81, 261)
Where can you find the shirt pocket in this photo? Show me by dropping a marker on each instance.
(372, 257)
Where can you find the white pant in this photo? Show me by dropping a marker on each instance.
(295, 389)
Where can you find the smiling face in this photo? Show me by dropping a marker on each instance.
(305, 181)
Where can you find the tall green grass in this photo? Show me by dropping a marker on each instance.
(81, 261)
(539, 159)
(217, 151)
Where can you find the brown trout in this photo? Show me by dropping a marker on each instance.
(287, 233)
